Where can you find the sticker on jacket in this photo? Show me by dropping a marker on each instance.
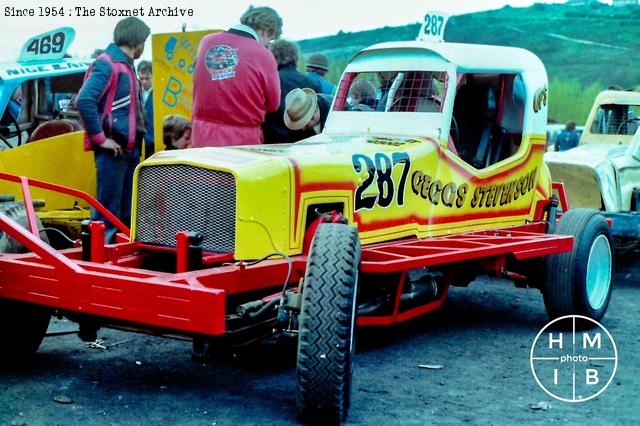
(221, 62)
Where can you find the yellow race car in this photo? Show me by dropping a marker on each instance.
(435, 179)
(603, 171)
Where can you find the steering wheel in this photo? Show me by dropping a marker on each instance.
(624, 123)
(18, 130)
(6, 142)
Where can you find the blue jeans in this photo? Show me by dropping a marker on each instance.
(115, 186)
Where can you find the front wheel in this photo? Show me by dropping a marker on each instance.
(22, 325)
(327, 323)
(579, 282)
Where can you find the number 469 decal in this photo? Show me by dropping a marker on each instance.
(48, 46)
(380, 168)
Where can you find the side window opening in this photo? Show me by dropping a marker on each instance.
(488, 116)
(56, 114)
(611, 119)
(44, 109)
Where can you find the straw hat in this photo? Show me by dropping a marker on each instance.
(300, 105)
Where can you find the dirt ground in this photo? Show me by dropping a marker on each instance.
(481, 338)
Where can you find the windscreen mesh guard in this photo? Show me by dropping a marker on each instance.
(177, 197)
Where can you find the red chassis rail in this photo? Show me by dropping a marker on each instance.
(114, 285)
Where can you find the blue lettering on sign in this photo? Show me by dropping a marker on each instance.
(187, 51)
(173, 89)
(169, 47)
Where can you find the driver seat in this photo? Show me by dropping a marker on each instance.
(52, 128)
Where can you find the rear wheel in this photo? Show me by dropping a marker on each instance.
(327, 322)
(22, 325)
(580, 282)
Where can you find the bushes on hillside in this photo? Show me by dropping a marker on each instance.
(570, 101)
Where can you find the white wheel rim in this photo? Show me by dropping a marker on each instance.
(599, 272)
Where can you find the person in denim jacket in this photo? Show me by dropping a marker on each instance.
(117, 135)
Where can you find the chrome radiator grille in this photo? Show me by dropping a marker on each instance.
(177, 197)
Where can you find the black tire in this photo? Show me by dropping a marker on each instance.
(327, 322)
(567, 288)
(22, 328)
(22, 325)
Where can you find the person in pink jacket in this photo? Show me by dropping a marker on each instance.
(236, 82)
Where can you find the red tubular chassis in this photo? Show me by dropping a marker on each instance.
(111, 282)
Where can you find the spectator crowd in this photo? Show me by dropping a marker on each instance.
(247, 90)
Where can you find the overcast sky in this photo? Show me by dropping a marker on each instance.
(302, 18)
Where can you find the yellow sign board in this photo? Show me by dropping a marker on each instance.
(174, 56)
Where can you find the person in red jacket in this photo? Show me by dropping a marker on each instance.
(236, 81)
